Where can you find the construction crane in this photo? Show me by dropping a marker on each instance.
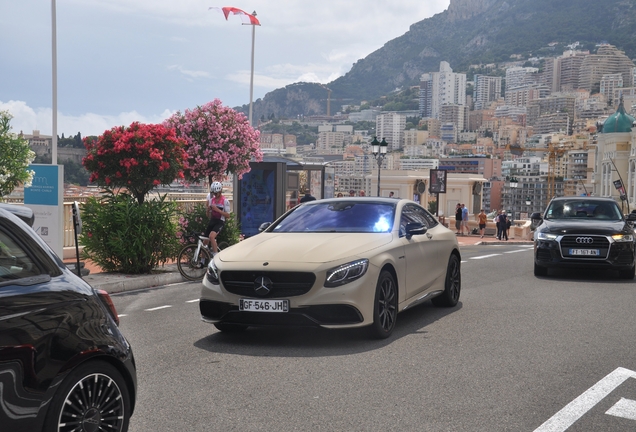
(555, 152)
(328, 99)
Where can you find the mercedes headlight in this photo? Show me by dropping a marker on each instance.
(623, 237)
(346, 273)
(213, 273)
(546, 236)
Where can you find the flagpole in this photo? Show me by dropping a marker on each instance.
(54, 83)
(252, 72)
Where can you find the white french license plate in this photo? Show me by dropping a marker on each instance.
(254, 305)
(585, 252)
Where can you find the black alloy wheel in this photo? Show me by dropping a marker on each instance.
(385, 306)
(92, 398)
(452, 285)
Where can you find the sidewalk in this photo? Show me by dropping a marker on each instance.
(169, 274)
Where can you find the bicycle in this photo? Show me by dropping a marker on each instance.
(194, 258)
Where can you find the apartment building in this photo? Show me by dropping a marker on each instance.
(441, 88)
(609, 83)
(487, 89)
(390, 126)
(418, 164)
(607, 60)
(521, 76)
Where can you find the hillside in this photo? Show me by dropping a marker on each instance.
(468, 32)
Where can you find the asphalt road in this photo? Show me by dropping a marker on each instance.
(519, 353)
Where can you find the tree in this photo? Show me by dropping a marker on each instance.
(138, 158)
(15, 157)
(219, 140)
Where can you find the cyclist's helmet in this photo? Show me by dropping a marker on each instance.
(216, 187)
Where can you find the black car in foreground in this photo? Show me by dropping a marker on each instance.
(64, 364)
(584, 232)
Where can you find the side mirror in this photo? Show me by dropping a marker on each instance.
(536, 215)
(631, 217)
(262, 227)
(415, 228)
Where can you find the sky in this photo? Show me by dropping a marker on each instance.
(120, 61)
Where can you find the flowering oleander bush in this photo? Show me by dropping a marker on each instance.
(15, 158)
(120, 235)
(218, 139)
(195, 221)
(138, 158)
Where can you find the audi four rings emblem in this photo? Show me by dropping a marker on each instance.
(584, 240)
(263, 285)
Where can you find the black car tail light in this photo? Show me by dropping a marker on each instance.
(103, 295)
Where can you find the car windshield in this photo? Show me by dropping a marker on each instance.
(583, 209)
(339, 216)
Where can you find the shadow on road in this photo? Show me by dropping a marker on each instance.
(318, 342)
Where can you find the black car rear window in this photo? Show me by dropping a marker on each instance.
(340, 216)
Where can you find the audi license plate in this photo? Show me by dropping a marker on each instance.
(254, 305)
(585, 252)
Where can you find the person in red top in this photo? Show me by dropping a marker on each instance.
(218, 208)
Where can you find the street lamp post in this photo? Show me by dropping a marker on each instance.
(513, 185)
(378, 149)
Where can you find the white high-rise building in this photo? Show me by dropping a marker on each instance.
(390, 125)
(520, 76)
(441, 88)
(487, 89)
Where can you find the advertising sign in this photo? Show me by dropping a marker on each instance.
(45, 197)
(438, 181)
(257, 192)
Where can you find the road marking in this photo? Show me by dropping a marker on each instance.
(157, 308)
(573, 411)
(122, 315)
(519, 250)
(463, 262)
(625, 408)
(485, 256)
(192, 301)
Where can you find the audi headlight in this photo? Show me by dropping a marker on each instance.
(213, 273)
(346, 273)
(546, 236)
(623, 237)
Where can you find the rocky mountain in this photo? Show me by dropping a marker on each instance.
(468, 32)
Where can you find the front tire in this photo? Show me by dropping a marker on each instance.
(93, 397)
(384, 306)
(452, 286)
(539, 270)
(627, 274)
(193, 268)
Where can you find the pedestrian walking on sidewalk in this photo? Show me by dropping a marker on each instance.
(458, 218)
(465, 219)
(502, 226)
(482, 222)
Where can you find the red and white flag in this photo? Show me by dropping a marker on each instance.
(245, 17)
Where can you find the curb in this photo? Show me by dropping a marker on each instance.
(117, 282)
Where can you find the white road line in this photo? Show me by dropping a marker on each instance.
(573, 411)
(122, 315)
(519, 250)
(157, 308)
(625, 408)
(463, 262)
(192, 301)
(485, 256)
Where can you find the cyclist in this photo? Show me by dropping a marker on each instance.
(218, 208)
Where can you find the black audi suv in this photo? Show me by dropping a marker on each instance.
(584, 232)
(64, 364)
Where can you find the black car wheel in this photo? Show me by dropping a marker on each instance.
(627, 274)
(94, 397)
(452, 286)
(540, 270)
(385, 306)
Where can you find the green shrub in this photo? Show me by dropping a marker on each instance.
(121, 235)
(196, 221)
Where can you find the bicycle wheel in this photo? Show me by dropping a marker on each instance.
(190, 266)
(222, 245)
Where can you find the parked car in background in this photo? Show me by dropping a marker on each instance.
(64, 364)
(335, 263)
(584, 232)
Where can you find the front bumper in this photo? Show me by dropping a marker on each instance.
(556, 253)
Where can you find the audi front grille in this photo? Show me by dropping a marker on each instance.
(569, 242)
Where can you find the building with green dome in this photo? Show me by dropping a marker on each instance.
(615, 158)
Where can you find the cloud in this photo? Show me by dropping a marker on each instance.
(189, 73)
(27, 119)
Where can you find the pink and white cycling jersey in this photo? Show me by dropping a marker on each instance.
(221, 203)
